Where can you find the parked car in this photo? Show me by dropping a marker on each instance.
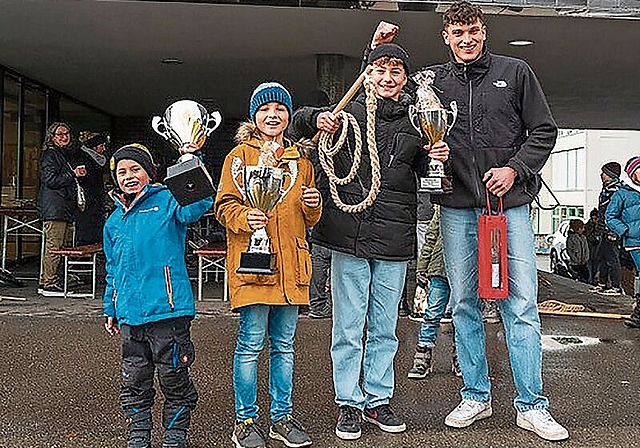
(558, 258)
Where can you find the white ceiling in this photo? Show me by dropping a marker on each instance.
(107, 53)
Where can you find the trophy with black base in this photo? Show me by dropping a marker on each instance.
(431, 119)
(186, 125)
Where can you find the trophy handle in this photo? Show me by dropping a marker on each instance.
(213, 122)
(454, 115)
(160, 127)
(413, 116)
(292, 174)
(236, 171)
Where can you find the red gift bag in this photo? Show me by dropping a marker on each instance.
(493, 275)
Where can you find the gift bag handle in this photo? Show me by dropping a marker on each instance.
(500, 208)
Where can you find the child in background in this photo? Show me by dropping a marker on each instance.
(578, 250)
(148, 298)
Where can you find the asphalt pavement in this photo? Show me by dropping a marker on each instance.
(59, 379)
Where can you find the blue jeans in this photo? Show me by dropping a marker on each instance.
(255, 322)
(436, 304)
(519, 312)
(364, 290)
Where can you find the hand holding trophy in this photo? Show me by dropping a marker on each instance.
(430, 118)
(186, 125)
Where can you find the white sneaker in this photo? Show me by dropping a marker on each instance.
(542, 423)
(467, 412)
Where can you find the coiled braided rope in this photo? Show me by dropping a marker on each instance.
(327, 151)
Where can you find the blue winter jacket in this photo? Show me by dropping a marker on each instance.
(144, 244)
(623, 215)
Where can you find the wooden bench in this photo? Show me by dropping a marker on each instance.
(212, 260)
(76, 260)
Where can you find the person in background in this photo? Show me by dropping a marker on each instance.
(577, 248)
(594, 237)
(89, 223)
(148, 297)
(609, 248)
(623, 217)
(268, 304)
(430, 271)
(57, 201)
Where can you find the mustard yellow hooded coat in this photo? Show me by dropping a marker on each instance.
(286, 228)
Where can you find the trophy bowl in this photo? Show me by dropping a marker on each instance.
(262, 187)
(433, 124)
(187, 124)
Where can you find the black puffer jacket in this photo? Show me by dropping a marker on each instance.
(57, 195)
(387, 229)
(503, 120)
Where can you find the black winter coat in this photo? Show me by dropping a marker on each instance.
(57, 196)
(387, 229)
(503, 120)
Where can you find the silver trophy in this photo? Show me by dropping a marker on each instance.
(431, 119)
(263, 188)
(187, 124)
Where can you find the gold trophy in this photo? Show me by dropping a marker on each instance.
(187, 124)
(431, 119)
(263, 187)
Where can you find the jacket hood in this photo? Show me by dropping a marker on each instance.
(248, 133)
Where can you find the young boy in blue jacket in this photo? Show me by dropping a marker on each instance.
(149, 298)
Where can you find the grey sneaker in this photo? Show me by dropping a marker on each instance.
(290, 431)
(247, 434)
(349, 426)
(467, 412)
(542, 423)
(421, 363)
(52, 291)
(614, 291)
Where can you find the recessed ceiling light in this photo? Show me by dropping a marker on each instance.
(174, 61)
(521, 43)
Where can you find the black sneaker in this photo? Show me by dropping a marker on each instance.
(383, 417)
(320, 314)
(290, 431)
(52, 291)
(175, 438)
(247, 434)
(349, 425)
(422, 365)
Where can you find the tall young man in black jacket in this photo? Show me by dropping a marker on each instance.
(502, 138)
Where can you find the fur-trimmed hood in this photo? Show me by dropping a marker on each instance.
(248, 131)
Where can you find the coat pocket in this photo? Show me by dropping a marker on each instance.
(303, 268)
(168, 286)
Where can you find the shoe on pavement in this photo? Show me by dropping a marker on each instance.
(383, 417)
(349, 426)
(247, 434)
(422, 363)
(291, 432)
(175, 438)
(52, 291)
(139, 439)
(542, 423)
(416, 317)
(447, 318)
(467, 412)
(612, 292)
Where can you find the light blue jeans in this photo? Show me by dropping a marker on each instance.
(364, 291)
(256, 321)
(519, 312)
(437, 301)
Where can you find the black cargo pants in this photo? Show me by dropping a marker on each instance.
(164, 346)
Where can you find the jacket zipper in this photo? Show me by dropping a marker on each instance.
(473, 152)
(167, 282)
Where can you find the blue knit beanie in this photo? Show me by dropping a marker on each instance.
(268, 92)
